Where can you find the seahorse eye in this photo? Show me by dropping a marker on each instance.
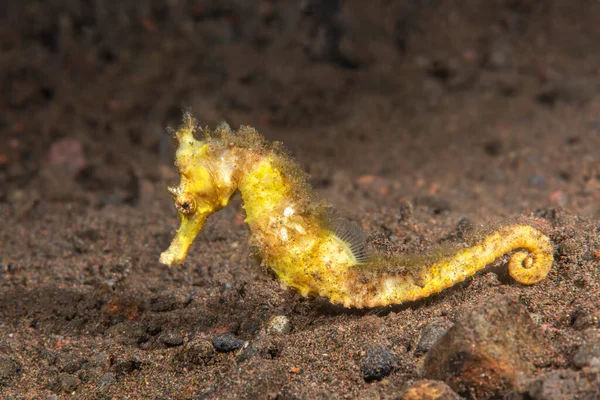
(185, 204)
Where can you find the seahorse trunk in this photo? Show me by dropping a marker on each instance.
(529, 265)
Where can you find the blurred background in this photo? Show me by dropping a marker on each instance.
(456, 103)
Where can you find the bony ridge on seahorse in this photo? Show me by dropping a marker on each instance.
(308, 249)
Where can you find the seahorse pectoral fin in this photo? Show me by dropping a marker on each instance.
(354, 237)
(187, 232)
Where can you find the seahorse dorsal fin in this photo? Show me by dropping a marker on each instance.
(353, 236)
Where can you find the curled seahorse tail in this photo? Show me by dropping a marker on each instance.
(530, 264)
(532, 259)
(534, 262)
(529, 268)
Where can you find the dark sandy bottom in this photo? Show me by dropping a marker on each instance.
(433, 118)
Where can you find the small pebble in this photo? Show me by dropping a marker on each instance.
(100, 360)
(171, 340)
(168, 302)
(198, 352)
(431, 334)
(106, 380)
(154, 328)
(66, 383)
(588, 355)
(126, 332)
(264, 345)
(226, 342)
(279, 324)
(377, 364)
(126, 367)
(71, 365)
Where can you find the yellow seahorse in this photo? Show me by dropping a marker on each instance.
(307, 248)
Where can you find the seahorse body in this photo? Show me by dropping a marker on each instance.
(296, 236)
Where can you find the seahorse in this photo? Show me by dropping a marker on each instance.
(297, 236)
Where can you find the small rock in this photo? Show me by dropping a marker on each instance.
(430, 390)
(487, 352)
(106, 380)
(71, 364)
(198, 352)
(585, 319)
(169, 302)
(263, 345)
(377, 364)
(431, 334)
(126, 332)
(588, 355)
(154, 328)
(66, 383)
(8, 370)
(100, 360)
(279, 324)
(126, 367)
(171, 340)
(226, 342)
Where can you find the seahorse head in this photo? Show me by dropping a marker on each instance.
(207, 181)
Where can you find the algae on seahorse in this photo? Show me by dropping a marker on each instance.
(298, 238)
